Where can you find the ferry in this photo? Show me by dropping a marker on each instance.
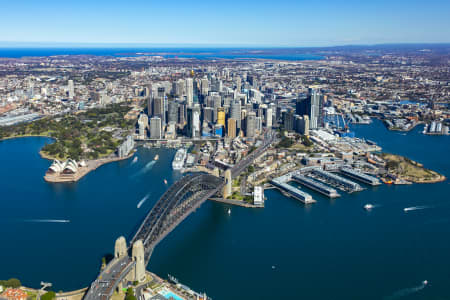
(156, 157)
(368, 207)
(178, 161)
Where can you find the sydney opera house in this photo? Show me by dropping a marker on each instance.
(69, 167)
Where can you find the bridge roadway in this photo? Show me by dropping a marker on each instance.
(103, 287)
(175, 205)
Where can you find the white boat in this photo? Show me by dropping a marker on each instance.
(165, 181)
(229, 211)
(156, 157)
(178, 161)
(135, 159)
(425, 282)
(368, 206)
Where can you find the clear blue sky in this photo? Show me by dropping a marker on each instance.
(231, 22)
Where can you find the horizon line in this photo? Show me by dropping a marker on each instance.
(12, 44)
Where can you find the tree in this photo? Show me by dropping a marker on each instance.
(12, 283)
(50, 295)
(130, 294)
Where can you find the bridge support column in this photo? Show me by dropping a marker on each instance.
(138, 257)
(120, 248)
(227, 190)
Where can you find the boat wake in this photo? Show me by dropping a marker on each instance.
(406, 209)
(46, 221)
(143, 200)
(146, 168)
(408, 291)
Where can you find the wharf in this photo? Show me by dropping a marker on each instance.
(367, 179)
(316, 186)
(335, 180)
(281, 183)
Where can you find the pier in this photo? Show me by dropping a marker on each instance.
(360, 176)
(335, 180)
(282, 184)
(316, 186)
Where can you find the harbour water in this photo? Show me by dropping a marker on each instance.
(333, 249)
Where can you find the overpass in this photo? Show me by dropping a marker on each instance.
(175, 205)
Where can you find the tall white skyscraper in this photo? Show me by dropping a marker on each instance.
(269, 115)
(71, 89)
(189, 91)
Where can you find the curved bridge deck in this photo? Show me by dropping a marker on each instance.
(178, 202)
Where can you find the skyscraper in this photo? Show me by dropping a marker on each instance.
(204, 86)
(268, 117)
(155, 127)
(314, 102)
(221, 116)
(312, 106)
(193, 121)
(250, 124)
(235, 113)
(172, 113)
(150, 106)
(231, 128)
(288, 120)
(71, 89)
(189, 91)
(142, 124)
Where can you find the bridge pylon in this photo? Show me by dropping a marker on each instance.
(120, 248)
(227, 189)
(138, 255)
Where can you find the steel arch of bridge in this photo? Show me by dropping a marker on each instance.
(180, 200)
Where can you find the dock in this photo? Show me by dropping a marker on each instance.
(316, 186)
(335, 180)
(364, 178)
(282, 184)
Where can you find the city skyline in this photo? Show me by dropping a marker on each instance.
(284, 24)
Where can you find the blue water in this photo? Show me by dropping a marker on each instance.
(199, 53)
(333, 249)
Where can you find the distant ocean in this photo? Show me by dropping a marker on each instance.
(198, 53)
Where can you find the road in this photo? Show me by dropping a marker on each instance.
(104, 285)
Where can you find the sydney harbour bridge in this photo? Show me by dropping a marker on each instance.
(175, 205)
